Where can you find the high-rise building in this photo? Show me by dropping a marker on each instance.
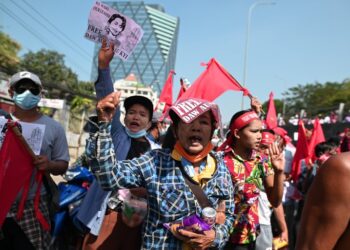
(155, 55)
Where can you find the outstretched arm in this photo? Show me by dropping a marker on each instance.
(326, 213)
(104, 85)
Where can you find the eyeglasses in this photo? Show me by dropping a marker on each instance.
(21, 89)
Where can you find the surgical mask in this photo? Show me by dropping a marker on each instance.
(26, 100)
(136, 135)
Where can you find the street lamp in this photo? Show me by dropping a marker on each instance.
(251, 8)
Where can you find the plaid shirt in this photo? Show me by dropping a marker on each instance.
(169, 198)
(30, 225)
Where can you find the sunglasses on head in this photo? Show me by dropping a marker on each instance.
(33, 90)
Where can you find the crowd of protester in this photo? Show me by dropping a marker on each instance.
(330, 118)
(157, 177)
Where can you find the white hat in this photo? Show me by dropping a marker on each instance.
(24, 75)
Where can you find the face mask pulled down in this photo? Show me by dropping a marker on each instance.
(136, 135)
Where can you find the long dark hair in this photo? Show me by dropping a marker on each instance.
(169, 138)
(114, 16)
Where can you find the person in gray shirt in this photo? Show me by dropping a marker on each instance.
(28, 233)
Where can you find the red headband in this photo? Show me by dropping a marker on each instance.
(244, 120)
(267, 138)
(283, 133)
(239, 123)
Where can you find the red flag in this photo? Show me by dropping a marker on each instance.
(183, 89)
(302, 151)
(16, 168)
(213, 82)
(316, 138)
(166, 97)
(271, 118)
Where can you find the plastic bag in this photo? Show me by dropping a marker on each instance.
(192, 223)
(134, 208)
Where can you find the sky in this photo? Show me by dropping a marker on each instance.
(291, 42)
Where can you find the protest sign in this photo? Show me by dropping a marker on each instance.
(32, 133)
(117, 28)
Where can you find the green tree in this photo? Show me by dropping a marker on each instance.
(49, 65)
(60, 81)
(317, 98)
(83, 87)
(84, 101)
(8, 54)
(81, 105)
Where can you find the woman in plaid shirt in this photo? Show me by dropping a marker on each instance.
(162, 172)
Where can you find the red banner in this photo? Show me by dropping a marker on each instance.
(16, 168)
(166, 96)
(271, 117)
(213, 82)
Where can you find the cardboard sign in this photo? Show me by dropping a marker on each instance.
(117, 28)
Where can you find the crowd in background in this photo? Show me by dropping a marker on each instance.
(157, 175)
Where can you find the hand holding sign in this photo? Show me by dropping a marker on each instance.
(105, 55)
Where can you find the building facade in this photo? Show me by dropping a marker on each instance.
(155, 54)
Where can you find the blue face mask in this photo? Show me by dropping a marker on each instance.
(26, 100)
(136, 135)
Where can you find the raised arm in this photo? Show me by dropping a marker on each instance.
(274, 183)
(104, 83)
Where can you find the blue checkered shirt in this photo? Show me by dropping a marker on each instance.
(169, 197)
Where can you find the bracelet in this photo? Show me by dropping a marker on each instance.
(220, 211)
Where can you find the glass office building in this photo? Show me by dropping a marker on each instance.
(155, 54)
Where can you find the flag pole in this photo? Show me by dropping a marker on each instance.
(249, 94)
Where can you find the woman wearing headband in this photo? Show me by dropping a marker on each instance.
(165, 174)
(250, 171)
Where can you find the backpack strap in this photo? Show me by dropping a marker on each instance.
(195, 188)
